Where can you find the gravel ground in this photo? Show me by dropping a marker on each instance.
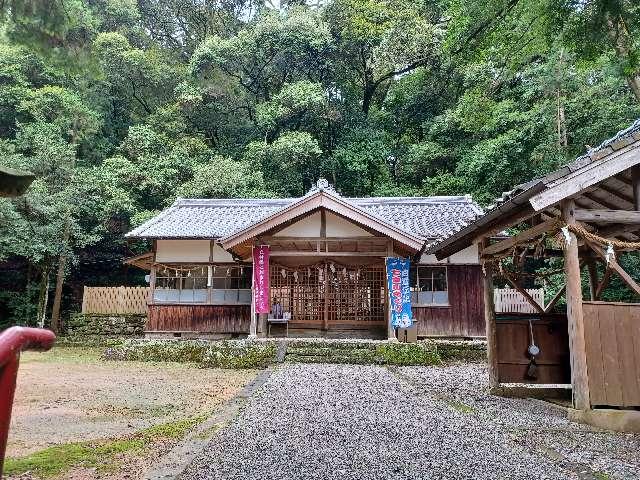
(368, 422)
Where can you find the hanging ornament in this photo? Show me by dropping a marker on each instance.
(283, 273)
(241, 270)
(309, 272)
(484, 270)
(228, 272)
(333, 268)
(565, 233)
(611, 254)
(295, 276)
(189, 273)
(344, 272)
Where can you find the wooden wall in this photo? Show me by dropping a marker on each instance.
(199, 318)
(464, 317)
(552, 338)
(612, 337)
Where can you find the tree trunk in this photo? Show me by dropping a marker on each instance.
(43, 296)
(56, 324)
(561, 122)
(634, 83)
(367, 98)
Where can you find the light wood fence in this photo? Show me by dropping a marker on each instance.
(115, 300)
(509, 300)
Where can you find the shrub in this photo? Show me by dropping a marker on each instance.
(404, 354)
(221, 354)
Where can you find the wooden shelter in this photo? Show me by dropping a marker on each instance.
(326, 264)
(587, 213)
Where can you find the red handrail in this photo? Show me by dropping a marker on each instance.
(12, 342)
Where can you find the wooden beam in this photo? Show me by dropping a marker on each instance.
(555, 299)
(602, 202)
(608, 216)
(523, 292)
(529, 234)
(311, 253)
(615, 266)
(575, 315)
(490, 322)
(615, 193)
(615, 230)
(587, 176)
(603, 283)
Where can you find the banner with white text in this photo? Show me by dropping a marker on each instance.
(399, 292)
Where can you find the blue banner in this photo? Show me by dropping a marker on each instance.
(399, 292)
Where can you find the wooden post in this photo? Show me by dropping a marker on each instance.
(325, 316)
(490, 323)
(577, 346)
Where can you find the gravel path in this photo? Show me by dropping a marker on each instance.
(367, 422)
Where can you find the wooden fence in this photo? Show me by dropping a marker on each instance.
(115, 300)
(509, 300)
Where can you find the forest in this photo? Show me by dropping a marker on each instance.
(120, 106)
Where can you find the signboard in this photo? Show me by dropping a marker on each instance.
(399, 292)
(261, 279)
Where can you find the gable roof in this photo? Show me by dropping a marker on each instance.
(595, 169)
(328, 199)
(423, 217)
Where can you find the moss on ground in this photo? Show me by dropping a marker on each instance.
(238, 354)
(245, 354)
(405, 354)
(100, 455)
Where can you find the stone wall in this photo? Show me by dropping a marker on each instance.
(106, 325)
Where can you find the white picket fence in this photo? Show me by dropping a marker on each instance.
(509, 300)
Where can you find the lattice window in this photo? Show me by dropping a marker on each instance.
(345, 294)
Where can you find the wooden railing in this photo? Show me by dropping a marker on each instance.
(111, 300)
(509, 300)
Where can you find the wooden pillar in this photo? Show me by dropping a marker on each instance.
(325, 316)
(577, 347)
(490, 323)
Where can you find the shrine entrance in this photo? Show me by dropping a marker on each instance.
(330, 294)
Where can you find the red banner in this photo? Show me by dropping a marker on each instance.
(261, 278)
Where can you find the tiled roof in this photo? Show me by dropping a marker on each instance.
(428, 217)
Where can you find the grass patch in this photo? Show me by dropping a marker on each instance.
(459, 406)
(63, 354)
(234, 354)
(601, 475)
(100, 455)
(405, 354)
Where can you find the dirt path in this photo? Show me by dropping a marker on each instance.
(70, 395)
